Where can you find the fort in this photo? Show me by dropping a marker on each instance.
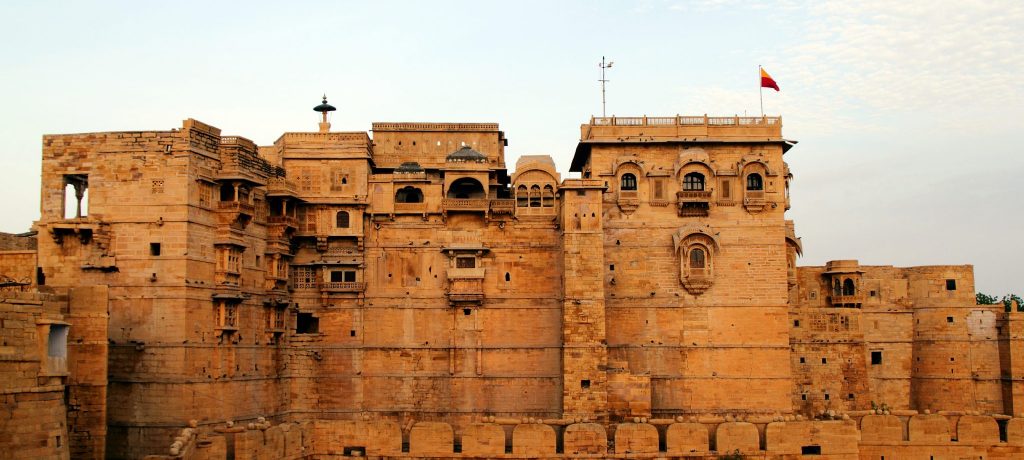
(401, 293)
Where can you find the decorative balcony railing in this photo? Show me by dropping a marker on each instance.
(346, 286)
(847, 300)
(503, 206)
(237, 206)
(465, 204)
(691, 196)
(686, 121)
(409, 207)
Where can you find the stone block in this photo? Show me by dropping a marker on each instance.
(483, 439)
(636, 438)
(977, 429)
(737, 436)
(533, 439)
(585, 438)
(882, 429)
(687, 438)
(929, 428)
(431, 439)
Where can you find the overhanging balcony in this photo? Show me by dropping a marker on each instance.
(342, 286)
(465, 204)
(465, 286)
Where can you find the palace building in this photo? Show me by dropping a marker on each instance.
(403, 293)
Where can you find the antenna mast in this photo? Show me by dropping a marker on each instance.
(603, 80)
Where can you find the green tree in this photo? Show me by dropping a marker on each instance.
(985, 299)
(1008, 300)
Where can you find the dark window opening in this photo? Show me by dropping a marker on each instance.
(409, 194)
(628, 182)
(154, 249)
(693, 182)
(465, 262)
(824, 360)
(466, 188)
(950, 285)
(876, 357)
(40, 276)
(352, 333)
(849, 396)
(873, 293)
(611, 267)
(803, 397)
(467, 311)
(796, 323)
(508, 277)
(810, 450)
(696, 258)
(949, 319)
(341, 220)
(754, 182)
(803, 360)
(848, 287)
(584, 384)
(826, 397)
(306, 323)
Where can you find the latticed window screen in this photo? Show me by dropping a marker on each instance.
(304, 276)
(693, 182)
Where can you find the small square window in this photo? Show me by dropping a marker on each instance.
(949, 319)
(874, 293)
(802, 360)
(826, 397)
(950, 285)
(611, 267)
(849, 396)
(824, 360)
(352, 333)
(796, 323)
(876, 357)
(803, 397)
(584, 384)
(154, 249)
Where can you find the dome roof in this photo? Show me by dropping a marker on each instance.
(466, 154)
(409, 167)
(324, 107)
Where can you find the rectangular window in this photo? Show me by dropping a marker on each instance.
(465, 262)
(659, 189)
(950, 285)
(810, 450)
(154, 249)
(876, 357)
(796, 323)
(725, 188)
(349, 276)
(57, 343)
(306, 323)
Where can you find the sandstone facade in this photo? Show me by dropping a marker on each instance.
(404, 294)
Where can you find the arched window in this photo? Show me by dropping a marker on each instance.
(466, 188)
(754, 182)
(522, 197)
(549, 196)
(697, 258)
(341, 220)
(693, 182)
(838, 288)
(848, 287)
(628, 182)
(409, 194)
(535, 196)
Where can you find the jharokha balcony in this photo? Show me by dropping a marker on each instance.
(465, 204)
(342, 286)
(854, 300)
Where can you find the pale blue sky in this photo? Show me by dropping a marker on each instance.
(907, 113)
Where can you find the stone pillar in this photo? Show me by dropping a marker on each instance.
(584, 348)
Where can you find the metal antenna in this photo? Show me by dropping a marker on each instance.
(603, 80)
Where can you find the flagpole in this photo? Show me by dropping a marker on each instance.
(760, 89)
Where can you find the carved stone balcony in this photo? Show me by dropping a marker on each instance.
(410, 208)
(503, 206)
(465, 204)
(279, 186)
(227, 279)
(347, 286)
(465, 286)
(696, 281)
(283, 221)
(853, 301)
(236, 211)
(754, 200)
